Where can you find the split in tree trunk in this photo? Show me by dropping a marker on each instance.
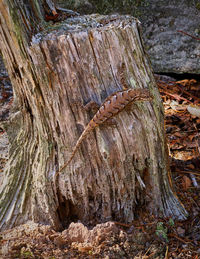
(121, 165)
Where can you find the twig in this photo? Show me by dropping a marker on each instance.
(186, 241)
(148, 250)
(187, 172)
(129, 225)
(123, 224)
(166, 253)
(188, 93)
(175, 96)
(162, 85)
(185, 33)
(198, 147)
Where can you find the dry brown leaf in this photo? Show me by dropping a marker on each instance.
(183, 82)
(191, 137)
(191, 166)
(85, 249)
(178, 134)
(193, 81)
(186, 182)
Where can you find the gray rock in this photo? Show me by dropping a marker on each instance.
(3, 71)
(170, 51)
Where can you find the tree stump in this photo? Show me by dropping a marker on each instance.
(122, 165)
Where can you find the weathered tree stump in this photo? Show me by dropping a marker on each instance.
(121, 165)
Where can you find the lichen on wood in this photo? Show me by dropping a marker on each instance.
(114, 158)
(121, 165)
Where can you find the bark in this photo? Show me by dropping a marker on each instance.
(120, 166)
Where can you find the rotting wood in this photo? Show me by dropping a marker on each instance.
(118, 167)
(113, 104)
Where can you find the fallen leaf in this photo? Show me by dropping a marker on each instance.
(183, 82)
(84, 249)
(186, 182)
(191, 137)
(191, 166)
(178, 134)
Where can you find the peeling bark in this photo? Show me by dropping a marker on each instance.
(120, 166)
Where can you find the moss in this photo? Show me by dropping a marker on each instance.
(197, 31)
(198, 6)
(106, 7)
(34, 20)
(26, 254)
(171, 23)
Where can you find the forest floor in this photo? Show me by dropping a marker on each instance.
(147, 237)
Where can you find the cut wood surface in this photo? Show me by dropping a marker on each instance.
(118, 165)
(122, 164)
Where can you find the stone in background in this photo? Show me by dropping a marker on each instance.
(3, 71)
(169, 50)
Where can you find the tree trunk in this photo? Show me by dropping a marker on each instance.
(120, 165)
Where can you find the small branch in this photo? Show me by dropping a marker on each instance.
(187, 172)
(185, 33)
(186, 241)
(175, 96)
